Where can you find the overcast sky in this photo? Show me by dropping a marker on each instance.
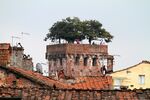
(127, 20)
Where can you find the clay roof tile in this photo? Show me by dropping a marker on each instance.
(37, 77)
(93, 83)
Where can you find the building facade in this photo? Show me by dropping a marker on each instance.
(14, 56)
(137, 76)
(19, 59)
(77, 60)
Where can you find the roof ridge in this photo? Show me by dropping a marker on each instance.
(143, 61)
(35, 78)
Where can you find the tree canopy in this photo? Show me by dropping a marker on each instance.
(71, 29)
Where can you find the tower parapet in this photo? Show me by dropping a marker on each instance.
(79, 59)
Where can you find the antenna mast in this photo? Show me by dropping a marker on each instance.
(22, 33)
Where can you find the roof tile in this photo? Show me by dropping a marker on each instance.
(37, 77)
(93, 83)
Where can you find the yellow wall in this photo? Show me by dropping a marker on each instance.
(132, 78)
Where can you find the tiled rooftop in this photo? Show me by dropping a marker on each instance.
(85, 88)
(82, 83)
(93, 83)
(36, 77)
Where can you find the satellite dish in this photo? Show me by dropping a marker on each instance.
(39, 68)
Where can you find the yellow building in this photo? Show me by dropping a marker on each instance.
(137, 76)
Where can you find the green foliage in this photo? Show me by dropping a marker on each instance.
(71, 29)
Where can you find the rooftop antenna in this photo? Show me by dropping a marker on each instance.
(22, 33)
(14, 37)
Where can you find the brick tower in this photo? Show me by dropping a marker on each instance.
(76, 60)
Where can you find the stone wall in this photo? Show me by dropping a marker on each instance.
(20, 60)
(17, 56)
(27, 63)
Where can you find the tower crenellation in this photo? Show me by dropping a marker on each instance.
(77, 60)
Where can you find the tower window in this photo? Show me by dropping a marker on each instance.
(77, 60)
(54, 61)
(61, 61)
(85, 61)
(94, 62)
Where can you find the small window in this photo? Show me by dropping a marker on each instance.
(85, 61)
(54, 61)
(77, 60)
(117, 83)
(141, 79)
(61, 62)
(94, 62)
(128, 72)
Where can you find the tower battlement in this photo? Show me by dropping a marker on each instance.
(79, 59)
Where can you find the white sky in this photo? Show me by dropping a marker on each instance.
(127, 20)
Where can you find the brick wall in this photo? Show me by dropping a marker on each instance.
(78, 59)
(76, 49)
(8, 78)
(5, 53)
(72, 94)
(4, 57)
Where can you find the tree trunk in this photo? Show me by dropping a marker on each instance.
(90, 40)
(70, 41)
(59, 41)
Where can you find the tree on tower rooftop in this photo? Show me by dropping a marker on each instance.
(71, 29)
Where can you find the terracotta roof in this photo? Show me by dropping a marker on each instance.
(144, 61)
(84, 83)
(93, 83)
(37, 77)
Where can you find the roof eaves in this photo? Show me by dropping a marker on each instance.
(144, 61)
(33, 78)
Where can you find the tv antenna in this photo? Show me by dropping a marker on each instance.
(14, 37)
(25, 33)
(22, 34)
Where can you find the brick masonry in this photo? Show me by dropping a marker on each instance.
(73, 94)
(5, 53)
(79, 59)
(8, 78)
